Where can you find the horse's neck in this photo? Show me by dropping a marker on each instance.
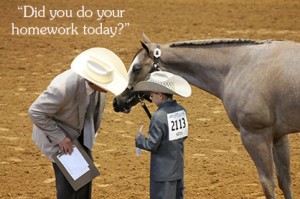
(205, 68)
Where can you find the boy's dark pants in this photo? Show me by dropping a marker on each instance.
(167, 190)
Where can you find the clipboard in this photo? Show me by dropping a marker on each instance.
(83, 179)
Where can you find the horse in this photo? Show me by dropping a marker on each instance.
(256, 80)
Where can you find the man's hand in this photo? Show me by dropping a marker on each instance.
(66, 146)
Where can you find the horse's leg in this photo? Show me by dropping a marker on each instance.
(259, 146)
(281, 151)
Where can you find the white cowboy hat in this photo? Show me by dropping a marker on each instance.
(103, 68)
(165, 82)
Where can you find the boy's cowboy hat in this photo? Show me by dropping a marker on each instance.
(103, 68)
(165, 82)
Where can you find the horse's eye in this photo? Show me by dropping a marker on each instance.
(136, 68)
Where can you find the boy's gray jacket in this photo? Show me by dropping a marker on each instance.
(60, 111)
(167, 159)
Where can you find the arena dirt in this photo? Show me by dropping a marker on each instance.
(216, 164)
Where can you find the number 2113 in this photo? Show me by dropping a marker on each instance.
(178, 124)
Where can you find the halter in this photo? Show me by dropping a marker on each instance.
(155, 67)
(156, 56)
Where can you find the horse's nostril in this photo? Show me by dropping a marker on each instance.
(115, 105)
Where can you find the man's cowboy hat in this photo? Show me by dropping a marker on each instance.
(165, 82)
(103, 68)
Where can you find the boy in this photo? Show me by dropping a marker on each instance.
(167, 132)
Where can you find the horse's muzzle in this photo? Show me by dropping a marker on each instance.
(120, 106)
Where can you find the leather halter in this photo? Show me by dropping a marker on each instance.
(156, 56)
(155, 67)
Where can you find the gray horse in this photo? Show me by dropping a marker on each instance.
(258, 83)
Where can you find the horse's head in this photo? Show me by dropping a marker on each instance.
(145, 62)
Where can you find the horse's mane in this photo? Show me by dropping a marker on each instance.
(218, 41)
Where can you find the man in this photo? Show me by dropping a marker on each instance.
(167, 131)
(71, 108)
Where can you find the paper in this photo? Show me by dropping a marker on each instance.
(75, 163)
(138, 150)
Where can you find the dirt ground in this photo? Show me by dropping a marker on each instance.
(216, 163)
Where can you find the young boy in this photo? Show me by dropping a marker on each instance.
(167, 132)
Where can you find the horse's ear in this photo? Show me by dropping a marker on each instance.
(145, 39)
(145, 47)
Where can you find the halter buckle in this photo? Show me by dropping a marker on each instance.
(157, 53)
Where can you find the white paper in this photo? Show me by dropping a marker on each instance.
(75, 163)
(138, 150)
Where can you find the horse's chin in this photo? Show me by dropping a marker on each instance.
(123, 110)
(126, 110)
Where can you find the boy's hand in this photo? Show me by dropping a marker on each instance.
(138, 150)
(139, 132)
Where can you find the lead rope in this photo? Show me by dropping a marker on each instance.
(143, 104)
(156, 55)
